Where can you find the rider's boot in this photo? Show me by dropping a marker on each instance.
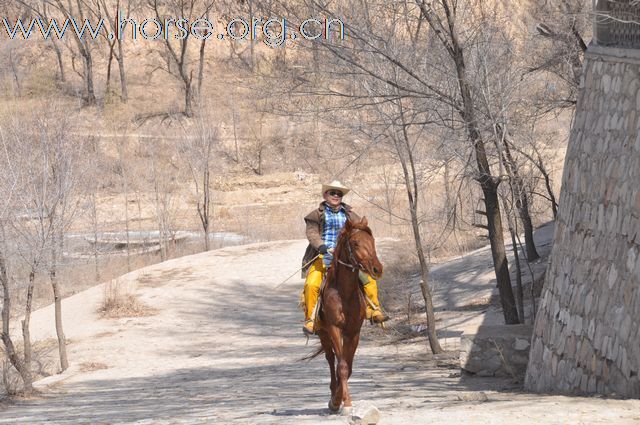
(308, 327)
(374, 312)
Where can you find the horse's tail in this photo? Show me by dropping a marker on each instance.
(314, 354)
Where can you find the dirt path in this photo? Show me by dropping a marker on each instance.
(225, 348)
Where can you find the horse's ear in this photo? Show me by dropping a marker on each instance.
(364, 222)
(348, 225)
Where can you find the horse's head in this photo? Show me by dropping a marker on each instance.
(363, 247)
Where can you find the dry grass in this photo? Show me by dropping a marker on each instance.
(120, 301)
(479, 303)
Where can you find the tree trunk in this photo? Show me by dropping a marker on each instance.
(521, 197)
(547, 182)
(57, 300)
(125, 186)
(124, 95)
(235, 133)
(201, 67)
(26, 335)
(498, 252)
(411, 183)
(251, 42)
(14, 72)
(525, 217)
(519, 291)
(9, 347)
(159, 211)
(203, 210)
(434, 343)
(207, 243)
(88, 64)
(56, 49)
(94, 219)
(109, 62)
(188, 98)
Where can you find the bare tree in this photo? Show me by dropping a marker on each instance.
(405, 151)
(67, 166)
(198, 152)
(178, 57)
(162, 179)
(50, 168)
(92, 190)
(29, 226)
(559, 49)
(123, 170)
(112, 17)
(8, 187)
(82, 10)
(501, 92)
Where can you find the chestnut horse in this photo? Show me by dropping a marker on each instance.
(343, 305)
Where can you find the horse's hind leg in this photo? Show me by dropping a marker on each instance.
(331, 359)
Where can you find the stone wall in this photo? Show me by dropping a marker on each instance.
(587, 333)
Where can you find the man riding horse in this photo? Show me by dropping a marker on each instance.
(323, 225)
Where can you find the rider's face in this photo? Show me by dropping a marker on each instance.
(333, 197)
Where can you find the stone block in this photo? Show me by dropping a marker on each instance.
(606, 83)
(504, 350)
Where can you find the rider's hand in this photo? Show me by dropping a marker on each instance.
(328, 257)
(323, 249)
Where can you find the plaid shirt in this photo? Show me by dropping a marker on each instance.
(333, 223)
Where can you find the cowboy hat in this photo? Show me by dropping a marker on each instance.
(335, 185)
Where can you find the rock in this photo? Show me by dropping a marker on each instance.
(521, 344)
(479, 396)
(364, 413)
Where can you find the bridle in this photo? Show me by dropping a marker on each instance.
(352, 257)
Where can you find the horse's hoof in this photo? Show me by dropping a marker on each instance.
(333, 408)
(347, 410)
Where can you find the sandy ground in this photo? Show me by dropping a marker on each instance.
(225, 347)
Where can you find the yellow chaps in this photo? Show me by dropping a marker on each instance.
(314, 280)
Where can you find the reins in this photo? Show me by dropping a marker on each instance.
(294, 273)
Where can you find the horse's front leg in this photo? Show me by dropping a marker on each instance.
(325, 340)
(336, 341)
(350, 344)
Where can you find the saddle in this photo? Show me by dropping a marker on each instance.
(302, 305)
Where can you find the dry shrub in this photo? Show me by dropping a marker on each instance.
(91, 366)
(401, 273)
(120, 301)
(11, 381)
(44, 362)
